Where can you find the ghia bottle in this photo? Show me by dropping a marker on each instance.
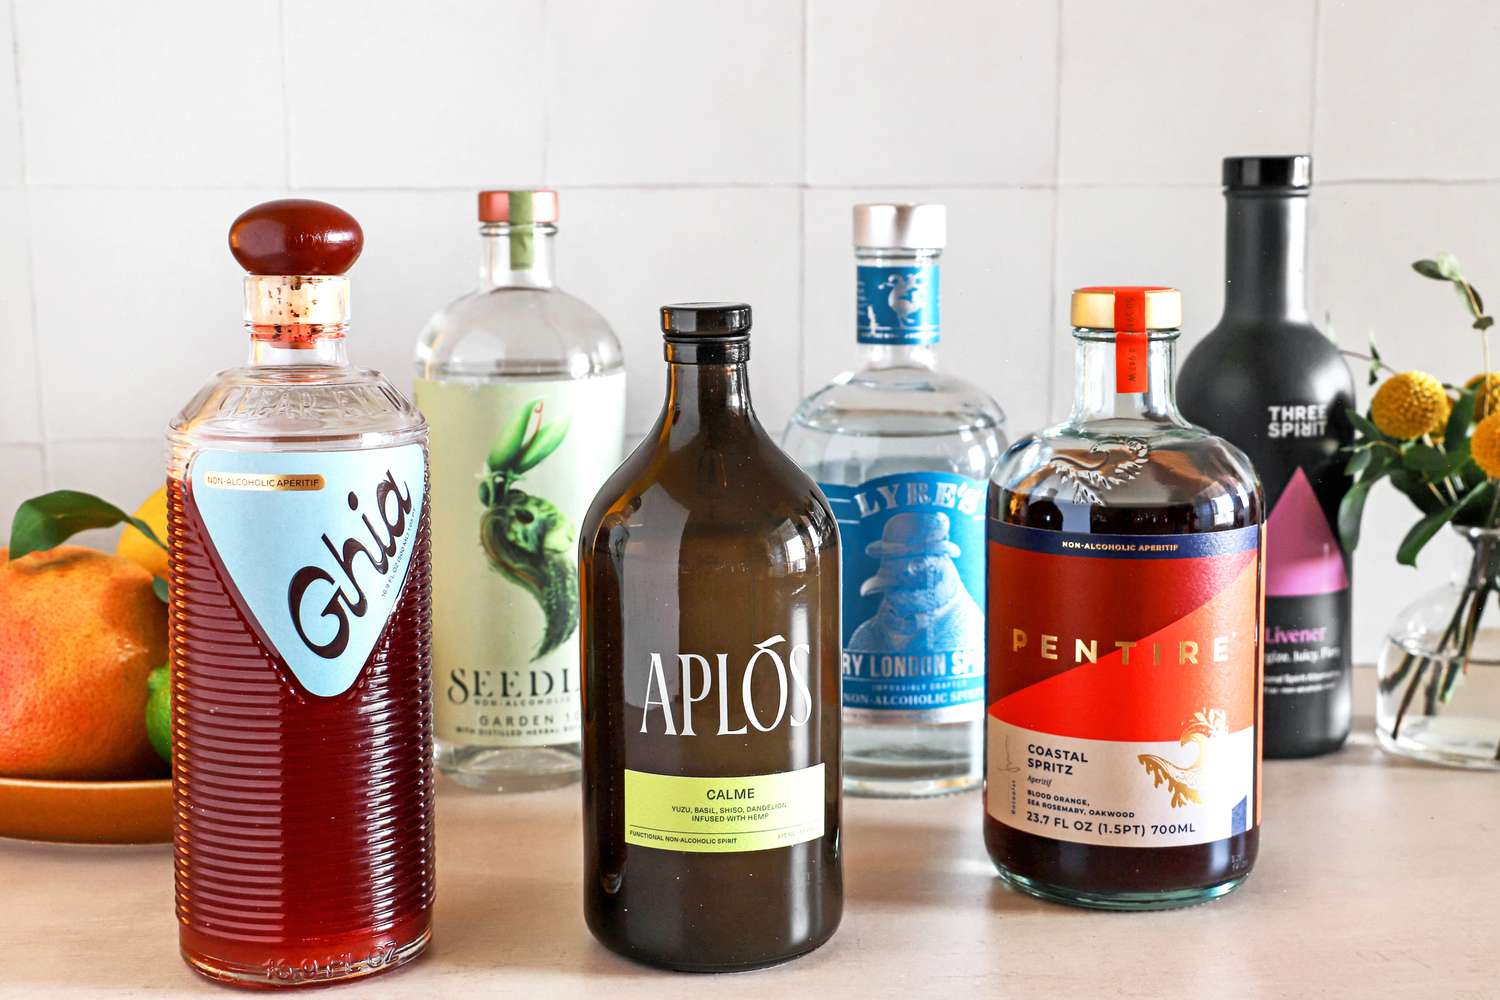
(710, 629)
(1125, 601)
(523, 386)
(904, 454)
(1269, 381)
(301, 721)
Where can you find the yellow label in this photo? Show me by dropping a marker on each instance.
(755, 812)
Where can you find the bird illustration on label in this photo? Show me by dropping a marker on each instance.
(1187, 783)
(526, 538)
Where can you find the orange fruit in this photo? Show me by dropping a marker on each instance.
(80, 631)
(137, 547)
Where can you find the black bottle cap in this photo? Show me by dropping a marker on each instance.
(692, 322)
(1253, 173)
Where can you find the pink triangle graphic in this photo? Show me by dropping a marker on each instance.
(1302, 556)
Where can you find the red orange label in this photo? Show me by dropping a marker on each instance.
(1124, 684)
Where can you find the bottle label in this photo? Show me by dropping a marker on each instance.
(318, 544)
(754, 812)
(913, 593)
(898, 305)
(765, 699)
(1124, 680)
(514, 468)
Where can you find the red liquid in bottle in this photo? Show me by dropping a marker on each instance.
(304, 839)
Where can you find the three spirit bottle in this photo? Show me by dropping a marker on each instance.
(1272, 383)
(904, 454)
(523, 387)
(710, 629)
(302, 728)
(1125, 600)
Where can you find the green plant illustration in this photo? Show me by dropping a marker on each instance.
(527, 539)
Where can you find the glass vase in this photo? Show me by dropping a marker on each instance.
(1438, 698)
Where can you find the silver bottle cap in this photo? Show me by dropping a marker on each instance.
(901, 227)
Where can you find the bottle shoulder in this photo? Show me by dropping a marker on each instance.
(1273, 359)
(899, 400)
(298, 406)
(1135, 465)
(741, 491)
(518, 332)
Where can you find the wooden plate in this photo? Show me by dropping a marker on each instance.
(87, 812)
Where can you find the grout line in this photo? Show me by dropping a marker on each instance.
(286, 98)
(802, 331)
(1052, 274)
(543, 9)
(1312, 116)
(30, 257)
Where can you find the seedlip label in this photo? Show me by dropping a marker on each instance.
(898, 305)
(913, 596)
(318, 545)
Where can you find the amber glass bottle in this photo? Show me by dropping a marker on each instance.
(1124, 653)
(710, 634)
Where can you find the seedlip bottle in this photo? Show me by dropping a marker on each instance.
(523, 386)
(904, 453)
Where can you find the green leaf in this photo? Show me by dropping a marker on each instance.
(545, 443)
(1351, 512)
(159, 586)
(1425, 459)
(1358, 462)
(1478, 300)
(1429, 269)
(52, 518)
(1449, 268)
(1363, 424)
(1462, 415)
(509, 442)
(1421, 533)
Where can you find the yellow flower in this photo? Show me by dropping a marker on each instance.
(1409, 405)
(1486, 400)
(1485, 445)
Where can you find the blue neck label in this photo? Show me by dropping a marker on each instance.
(898, 305)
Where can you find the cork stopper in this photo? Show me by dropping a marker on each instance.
(296, 251)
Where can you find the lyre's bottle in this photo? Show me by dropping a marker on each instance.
(904, 453)
(1125, 602)
(710, 629)
(523, 386)
(1269, 381)
(302, 726)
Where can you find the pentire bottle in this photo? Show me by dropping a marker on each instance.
(1125, 555)
(710, 634)
(1268, 380)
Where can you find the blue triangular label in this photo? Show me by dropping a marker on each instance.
(317, 544)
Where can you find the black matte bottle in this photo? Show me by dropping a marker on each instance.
(711, 660)
(1270, 382)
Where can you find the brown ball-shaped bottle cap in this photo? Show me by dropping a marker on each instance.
(296, 236)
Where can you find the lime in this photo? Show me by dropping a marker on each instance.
(159, 711)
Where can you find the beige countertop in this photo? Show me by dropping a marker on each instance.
(1376, 878)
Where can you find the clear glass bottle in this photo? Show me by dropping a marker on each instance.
(904, 454)
(297, 532)
(1126, 599)
(710, 572)
(523, 386)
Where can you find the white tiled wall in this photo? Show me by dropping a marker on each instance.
(712, 150)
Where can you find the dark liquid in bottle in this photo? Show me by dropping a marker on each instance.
(304, 838)
(1094, 873)
(710, 542)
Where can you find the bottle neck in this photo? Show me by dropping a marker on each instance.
(1095, 395)
(519, 256)
(297, 319)
(1265, 255)
(898, 306)
(706, 395)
